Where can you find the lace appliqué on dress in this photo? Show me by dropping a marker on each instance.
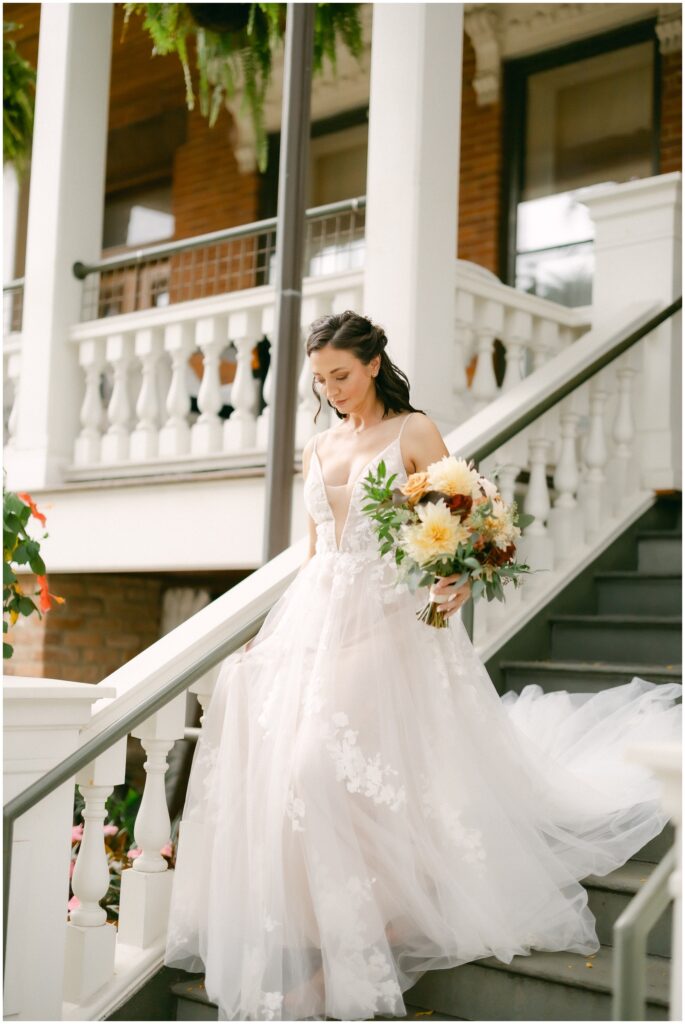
(361, 775)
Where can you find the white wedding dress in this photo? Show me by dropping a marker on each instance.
(363, 806)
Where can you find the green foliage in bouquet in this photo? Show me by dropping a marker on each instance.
(18, 98)
(234, 46)
(488, 569)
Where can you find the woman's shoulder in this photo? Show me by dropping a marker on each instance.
(422, 442)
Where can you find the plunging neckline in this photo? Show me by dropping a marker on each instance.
(353, 483)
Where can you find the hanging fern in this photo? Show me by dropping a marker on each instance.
(18, 96)
(237, 50)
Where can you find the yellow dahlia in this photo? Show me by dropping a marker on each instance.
(438, 533)
(453, 476)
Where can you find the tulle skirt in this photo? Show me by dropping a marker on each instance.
(363, 806)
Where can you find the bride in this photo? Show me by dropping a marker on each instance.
(362, 805)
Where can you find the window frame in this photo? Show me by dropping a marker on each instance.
(515, 74)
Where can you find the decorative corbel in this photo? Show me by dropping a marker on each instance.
(481, 24)
(669, 28)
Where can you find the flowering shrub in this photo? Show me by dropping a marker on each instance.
(19, 548)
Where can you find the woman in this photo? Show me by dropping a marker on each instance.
(362, 805)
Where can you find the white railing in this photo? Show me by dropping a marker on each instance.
(136, 382)
(103, 965)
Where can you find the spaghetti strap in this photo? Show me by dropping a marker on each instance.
(399, 436)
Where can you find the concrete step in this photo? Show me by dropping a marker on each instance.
(192, 1003)
(539, 987)
(609, 895)
(657, 848)
(646, 639)
(639, 593)
(659, 550)
(582, 676)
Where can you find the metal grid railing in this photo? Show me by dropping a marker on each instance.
(219, 262)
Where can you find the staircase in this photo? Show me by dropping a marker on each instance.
(619, 618)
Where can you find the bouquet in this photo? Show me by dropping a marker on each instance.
(447, 520)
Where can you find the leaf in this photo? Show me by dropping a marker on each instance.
(477, 589)
(524, 520)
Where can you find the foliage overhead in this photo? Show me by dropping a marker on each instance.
(18, 97)
(234, 45)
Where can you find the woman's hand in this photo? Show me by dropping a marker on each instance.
(447, 596)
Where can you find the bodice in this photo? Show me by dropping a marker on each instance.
(358, 535)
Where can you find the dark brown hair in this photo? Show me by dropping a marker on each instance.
(356, 333)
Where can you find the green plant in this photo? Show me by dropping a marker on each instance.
(234, 46)
(18, 96)
(20, 548)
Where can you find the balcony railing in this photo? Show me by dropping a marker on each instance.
(220, 262)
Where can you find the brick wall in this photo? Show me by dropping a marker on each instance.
(480, 172)
(670, 149)
(105, 621)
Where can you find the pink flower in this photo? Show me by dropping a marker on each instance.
(110, 830)
(166, 851)
(135, 852)
(73, 903)
(72, 865)
(76, 833)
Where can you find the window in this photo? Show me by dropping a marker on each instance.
(582, 118)
(138, 216)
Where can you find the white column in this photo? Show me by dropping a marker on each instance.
(10, 190)
(412, 183)
(64, 225)
(638, 257)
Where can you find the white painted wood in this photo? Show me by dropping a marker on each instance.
(145, 436)
(638, 254)
(412, 171)
(240, 430)
(92, 360)
(13, 371)
(115, 443)
(10, 207)
(64, 225)
(206, 433)
(174, 437)
(489, 325)
(42, 722)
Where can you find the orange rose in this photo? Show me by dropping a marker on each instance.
(415, 487)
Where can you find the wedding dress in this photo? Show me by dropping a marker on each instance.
(363, 806)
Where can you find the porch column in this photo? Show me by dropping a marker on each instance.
(412, 192)
(638, 258)
(64, 225)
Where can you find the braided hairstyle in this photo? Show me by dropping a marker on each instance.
(358, 334)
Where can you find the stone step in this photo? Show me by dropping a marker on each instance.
(582, 676)
(192, 1003)
(646, 639)
(539, 987)
(659, 550)
(657, 848)
(639, 593)
(609, 895)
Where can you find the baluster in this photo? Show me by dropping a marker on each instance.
(267, 329)
(464, 340)
(240, 431)
(115, 443)
(174, 437)
(536, 543)
(595, 458)
(518, 335)
(545, 341)
(146, 889)
(564, 519)
(623, 434)
(489, 319)
(90, 940)
(13, 375)
(206, 432)
(144, 439)
(87, 445)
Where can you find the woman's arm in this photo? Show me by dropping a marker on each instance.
(422, 445)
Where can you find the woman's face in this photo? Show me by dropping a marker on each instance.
(342, 378)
